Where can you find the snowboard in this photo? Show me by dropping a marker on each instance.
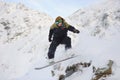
(39, 68)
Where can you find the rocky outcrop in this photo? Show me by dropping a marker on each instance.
(102, 72)
(71, 69)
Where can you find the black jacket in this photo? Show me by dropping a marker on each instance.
(58, 33)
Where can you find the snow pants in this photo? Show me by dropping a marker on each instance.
(66, 41)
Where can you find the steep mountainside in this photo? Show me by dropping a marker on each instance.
(20, 35)
(24, 44)
(99, 19)
(17, 20)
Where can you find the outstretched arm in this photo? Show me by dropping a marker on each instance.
(71, 28)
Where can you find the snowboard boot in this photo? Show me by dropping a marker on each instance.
(51, 61)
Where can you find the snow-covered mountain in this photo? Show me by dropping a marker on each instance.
(24, 43)
(17, 20)
(100, 35)
(99, 19)
(20, 34)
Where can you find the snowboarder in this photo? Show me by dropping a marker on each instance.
(58, 35)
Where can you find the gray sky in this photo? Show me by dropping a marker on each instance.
(56, 8)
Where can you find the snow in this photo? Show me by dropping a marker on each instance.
(24, 45)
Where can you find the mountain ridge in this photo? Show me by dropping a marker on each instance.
(17, 19)
(98, 18)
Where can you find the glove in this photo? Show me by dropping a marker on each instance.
(50, 39)
(76, 31)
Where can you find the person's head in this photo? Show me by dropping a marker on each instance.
(59, 21)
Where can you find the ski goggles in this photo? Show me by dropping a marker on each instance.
(58, 21)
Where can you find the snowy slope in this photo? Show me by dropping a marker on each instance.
(20, 38)
(100, 35)
(24, 42)
(99, 19)
(98, 41)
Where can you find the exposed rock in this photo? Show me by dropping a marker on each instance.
(102, 72)
(71, 69)
(62, 77)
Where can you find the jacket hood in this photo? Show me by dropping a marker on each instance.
(59, 18)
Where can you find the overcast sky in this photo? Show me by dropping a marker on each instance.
(56, 8)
